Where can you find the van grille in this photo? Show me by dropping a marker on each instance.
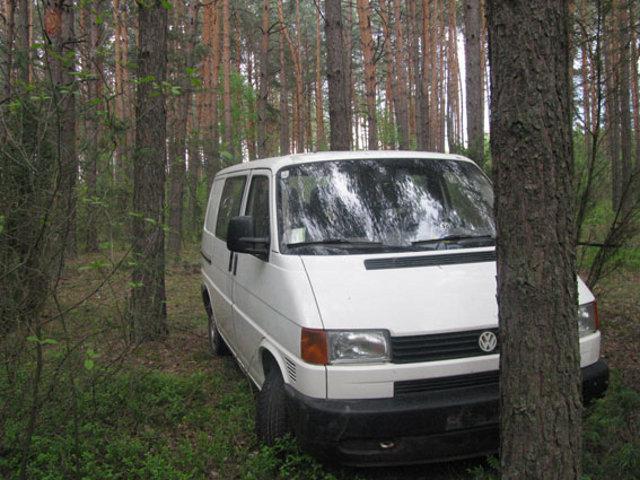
(441, 346)
(446, 383)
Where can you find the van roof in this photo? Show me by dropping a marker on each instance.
(276, 163)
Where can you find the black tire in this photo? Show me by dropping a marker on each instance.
(217, 344)
(272, 421)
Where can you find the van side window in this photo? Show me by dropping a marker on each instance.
(212, 209)
(258, 205)
(229, 204)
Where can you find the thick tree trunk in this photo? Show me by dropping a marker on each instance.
(400, 98)
(473, 76)
(59, 26)
(339, 122)
(531, 144)
(148, 298)
(265, 80)
(368, 46)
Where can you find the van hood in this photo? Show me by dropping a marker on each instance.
(408, 294)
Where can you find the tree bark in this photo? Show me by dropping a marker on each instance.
(95, 90)
(265, 80)
(226, 74)
(8, 40)
(424, 132)
(321, 141)
(59, 27)
(339, 122)
(183, 51)
(284, 101)
(298, 102)
(626, 162)
(531, 144)
(400, 97)
(148, 298)
(388, 62)
(473, 76)
(368, 46)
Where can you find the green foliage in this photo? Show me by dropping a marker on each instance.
(284, 461)
(136, 425)
(612, 435)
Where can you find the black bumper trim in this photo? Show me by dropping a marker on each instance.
(429, 427)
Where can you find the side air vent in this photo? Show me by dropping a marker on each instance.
(430, 260)
(291, 369)
(446, 383)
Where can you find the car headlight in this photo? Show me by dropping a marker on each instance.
(587, 319)
(358, 346)
(322, 347)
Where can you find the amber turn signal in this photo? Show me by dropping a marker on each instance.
(313, 346)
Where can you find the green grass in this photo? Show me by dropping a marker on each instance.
(169, 410)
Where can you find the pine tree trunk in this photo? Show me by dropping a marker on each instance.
(389, 65)
(612, 110)
(400, 98)
(531, 145)
(473, 76)
(626, 162)
(284, 101)
(321, 141)
(226, 74)
(424, 140)
(95, 88)
(339, 122)
(148, 298)
(59, 26)
(368, 46)
(183, 52)
(265, 79)
(8, 42)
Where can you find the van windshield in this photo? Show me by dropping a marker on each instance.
(355, 206)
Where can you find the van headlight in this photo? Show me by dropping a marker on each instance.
(587, 319)
(358, 346)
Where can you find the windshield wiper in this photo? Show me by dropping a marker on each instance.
(335, 241)
(453, 238)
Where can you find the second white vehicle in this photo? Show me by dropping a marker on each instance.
(357, 291)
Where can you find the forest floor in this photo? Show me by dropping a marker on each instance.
(170, 410)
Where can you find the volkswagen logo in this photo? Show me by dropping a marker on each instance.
(487, 341)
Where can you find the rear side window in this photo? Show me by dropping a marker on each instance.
(258, 205)
(229, 204)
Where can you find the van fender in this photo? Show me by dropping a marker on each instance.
(268, 348)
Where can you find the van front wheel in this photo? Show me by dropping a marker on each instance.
(216, 342)
(271, 412)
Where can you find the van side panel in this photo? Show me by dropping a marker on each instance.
(273, 300)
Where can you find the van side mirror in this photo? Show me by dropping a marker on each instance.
(241, 239)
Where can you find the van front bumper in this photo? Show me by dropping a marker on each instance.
(435, 426)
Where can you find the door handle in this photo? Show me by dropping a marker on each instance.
(230, 261)
(235, 265)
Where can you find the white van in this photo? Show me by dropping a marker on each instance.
(357, 291)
